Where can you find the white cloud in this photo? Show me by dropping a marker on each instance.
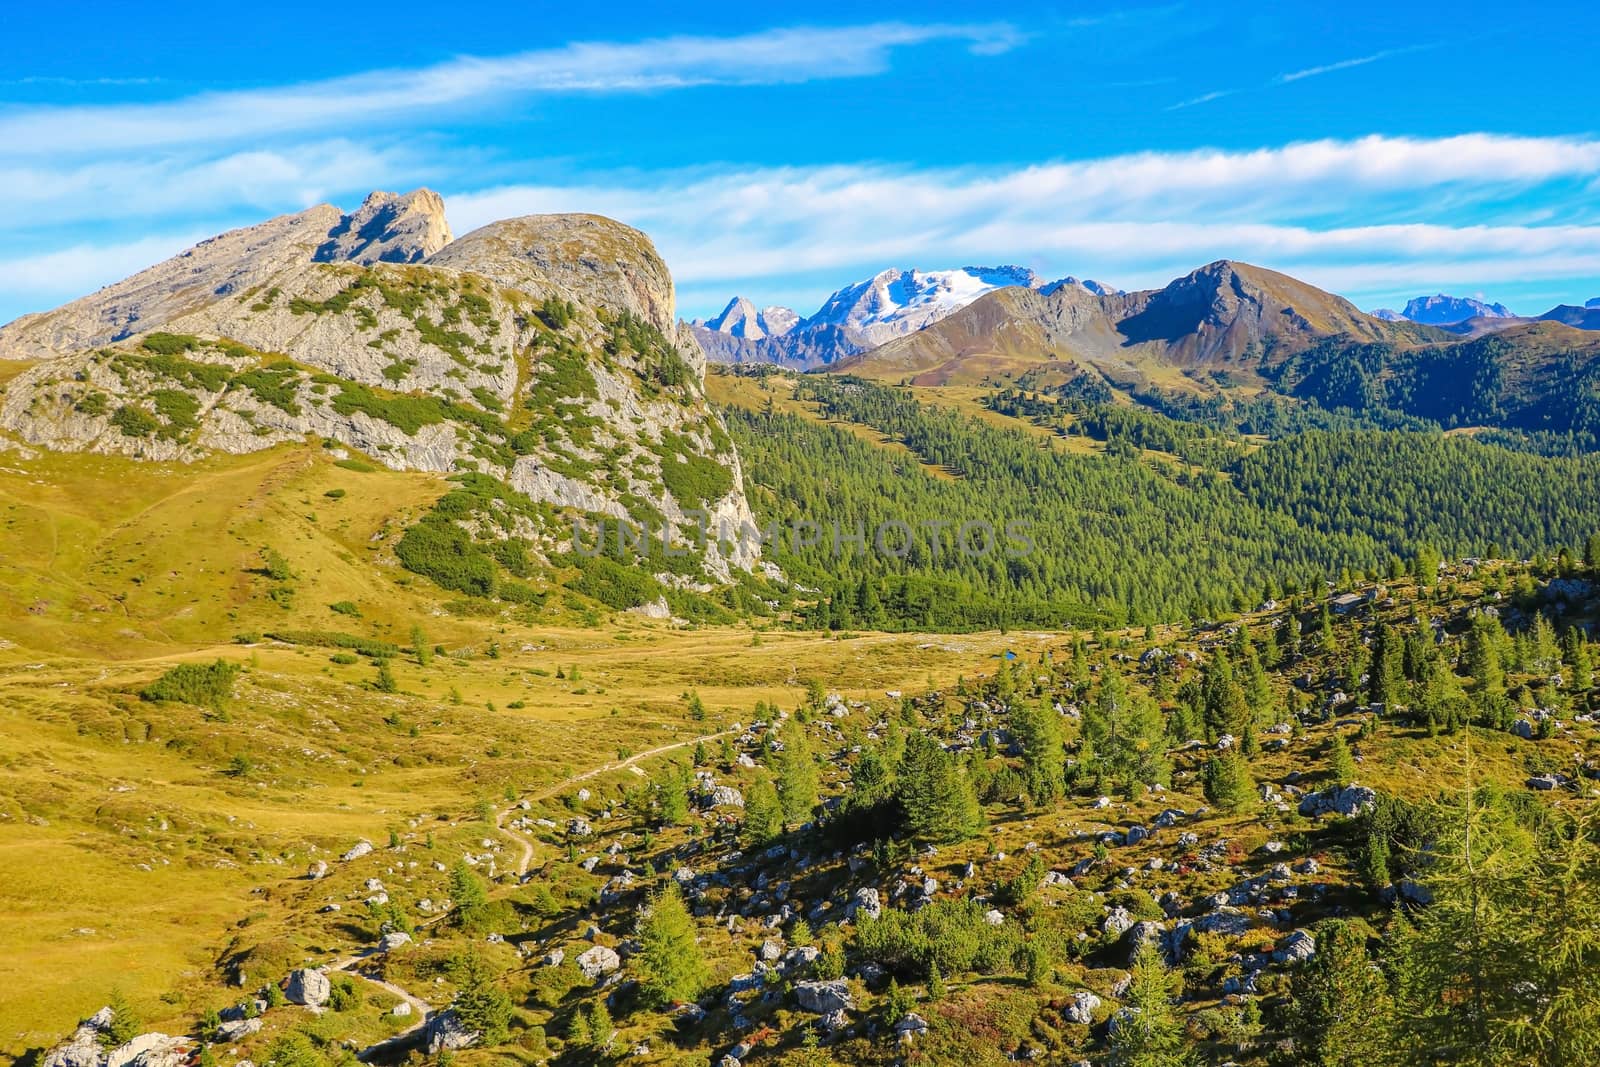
(771, 57)
(1365, 215)
(1135, 220)
(1346, 64)
(152, 186)
(69, 272)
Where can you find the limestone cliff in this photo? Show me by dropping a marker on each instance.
(541, 352)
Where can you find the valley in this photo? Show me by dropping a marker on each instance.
(1219, 622)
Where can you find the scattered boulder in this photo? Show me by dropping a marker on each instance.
(307, 987)
(1544, 782)
(1117, 921)
(1350, 800)
(237, 1030)
(824, 998)
(598, 962)
(909, 1028)
(1298, 947)
(1080, 1009)
(393, 940)
(317, 870)
(447, 1033)
(359, 849)
(726, 796)
(865, 902)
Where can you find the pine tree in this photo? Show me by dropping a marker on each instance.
(798, 780)
(672, 796)
(939, 802)
(1340, 1012)
(1229, 784)
(670, 966)
(1575, 653)
(936, 988)
(1341, 764)
(1388, 654)
(1044, 760)
(470, 898)
(481, 1005)
(1149, 1032)
(1482, 658)
(419, 647)
(125, 1022)
(763, 814)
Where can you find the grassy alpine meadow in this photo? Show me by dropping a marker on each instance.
(145, 840)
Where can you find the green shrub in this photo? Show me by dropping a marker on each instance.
(135, 422)
(204, 685)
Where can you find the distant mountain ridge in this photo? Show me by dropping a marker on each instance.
(1442, 310)
(861, 316)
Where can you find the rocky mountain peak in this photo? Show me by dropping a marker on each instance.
(741, 319)
(1442, 310)
(592, 259)
(388, 228)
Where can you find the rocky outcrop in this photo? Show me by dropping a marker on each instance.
(1346, 801)
(590, 259)
(447, 1033)
(386, 228)
(422, 357)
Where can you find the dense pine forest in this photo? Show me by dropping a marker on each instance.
(1170, 519)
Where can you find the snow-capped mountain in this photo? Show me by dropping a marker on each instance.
(1442, 310)
(741, 319)
(861, 316)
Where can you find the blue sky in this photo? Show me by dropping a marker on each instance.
(1379, 150)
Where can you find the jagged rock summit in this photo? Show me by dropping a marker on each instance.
(389, 229)
(741, 319)
(386, 228)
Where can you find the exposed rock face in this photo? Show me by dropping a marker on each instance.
(388, 229)
(593, 260)
(150, 1050)
(419, 356)
(83, 1048)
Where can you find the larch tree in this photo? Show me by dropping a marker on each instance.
(670, 966)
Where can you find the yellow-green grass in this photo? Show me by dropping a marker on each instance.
(98, 785)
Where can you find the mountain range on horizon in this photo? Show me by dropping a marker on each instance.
(860, 316)
(898, 302)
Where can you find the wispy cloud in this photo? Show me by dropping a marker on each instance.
(1203, 98)
(1139, 219)
(1346, 64)
(1301, 75)
(771, 57)
(1354, 215)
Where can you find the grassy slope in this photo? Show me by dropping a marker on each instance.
(132, 858)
